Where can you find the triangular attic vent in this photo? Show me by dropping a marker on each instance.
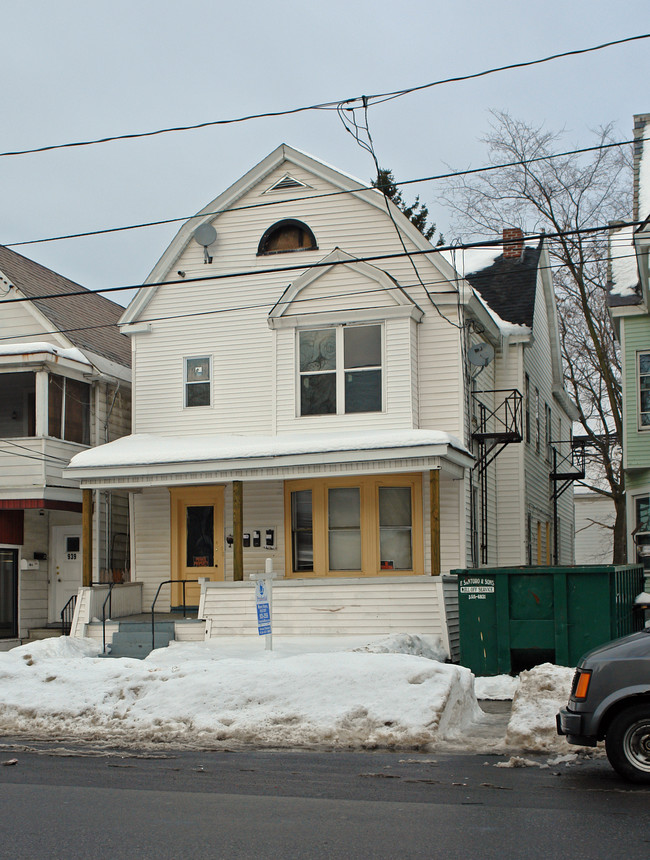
(286, 182)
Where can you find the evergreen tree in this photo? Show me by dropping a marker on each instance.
(417, 213)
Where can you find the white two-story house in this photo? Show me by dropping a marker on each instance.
(314, 383)
(65, 385)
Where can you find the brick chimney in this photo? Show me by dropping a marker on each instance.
(513, 243)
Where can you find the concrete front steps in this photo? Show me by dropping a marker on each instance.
(37, 633)
(133, 639)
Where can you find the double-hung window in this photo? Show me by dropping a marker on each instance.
(644, 389)
(340, 370)
(197, 381)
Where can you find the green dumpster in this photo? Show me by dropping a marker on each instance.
(513, 618)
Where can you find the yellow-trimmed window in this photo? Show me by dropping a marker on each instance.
(363, 526)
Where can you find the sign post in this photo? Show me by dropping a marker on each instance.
(263, 586)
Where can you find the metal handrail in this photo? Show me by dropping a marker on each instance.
(182, 583)
(67, 614)
(108, 599)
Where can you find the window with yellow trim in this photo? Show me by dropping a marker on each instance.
(363, 526)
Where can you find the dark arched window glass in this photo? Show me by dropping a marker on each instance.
(287, 235)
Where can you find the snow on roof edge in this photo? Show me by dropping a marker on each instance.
(149, 449)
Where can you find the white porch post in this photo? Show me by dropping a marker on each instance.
(42, 413)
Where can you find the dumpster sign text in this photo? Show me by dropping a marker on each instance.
(477, 587)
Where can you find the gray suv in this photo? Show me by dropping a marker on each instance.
(610, 700)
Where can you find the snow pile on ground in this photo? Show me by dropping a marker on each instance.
(542, 691)
(209, 694)
(496, 687)
(391, 692)
(408, 643)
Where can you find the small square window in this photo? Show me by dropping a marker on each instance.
(197, 381)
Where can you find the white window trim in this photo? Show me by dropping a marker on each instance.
(187, 358)
(340, 370)
(641, 427)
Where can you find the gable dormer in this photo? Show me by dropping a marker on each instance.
(346, 336)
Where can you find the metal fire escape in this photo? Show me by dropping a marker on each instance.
(496, 428)
(565, 470)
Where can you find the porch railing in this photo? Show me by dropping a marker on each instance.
(67, 614)
(182, 583)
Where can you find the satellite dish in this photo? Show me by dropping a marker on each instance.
(481, 354)
(205, 234)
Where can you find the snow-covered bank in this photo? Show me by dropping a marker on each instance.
(392, 693)
(236, 693)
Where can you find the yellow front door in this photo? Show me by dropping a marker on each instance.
(196, 540)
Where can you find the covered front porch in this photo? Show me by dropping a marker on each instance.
(360, 520)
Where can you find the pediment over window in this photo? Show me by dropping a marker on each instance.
(342, 288)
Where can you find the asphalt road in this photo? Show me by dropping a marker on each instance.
(64, 802)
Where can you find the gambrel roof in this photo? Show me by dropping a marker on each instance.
(88, 321)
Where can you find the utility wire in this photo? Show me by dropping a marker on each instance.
(32, 454)
(488, 243)
(377, 98)
(476, 276)
(450, 175)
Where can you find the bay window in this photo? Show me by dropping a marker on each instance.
(360, 526)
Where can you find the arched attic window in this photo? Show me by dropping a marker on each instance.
(287, 235)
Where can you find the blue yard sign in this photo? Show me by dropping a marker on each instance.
(263, 608)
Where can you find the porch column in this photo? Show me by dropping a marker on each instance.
(87, 536)
(238, 530)
(42, 414)
(434, 498)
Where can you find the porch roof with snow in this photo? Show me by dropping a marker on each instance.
(146, 460)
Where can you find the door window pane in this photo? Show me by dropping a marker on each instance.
(395, 525)
(8, 593)
(200, 536)
(344, 514)
(302, 530)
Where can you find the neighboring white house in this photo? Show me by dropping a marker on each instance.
(65, 384)
(595, 517)
(306, 391)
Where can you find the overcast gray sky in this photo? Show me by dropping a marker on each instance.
(80, 69)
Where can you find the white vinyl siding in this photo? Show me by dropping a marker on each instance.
(240, 342)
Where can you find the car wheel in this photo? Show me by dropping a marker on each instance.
(628, 743)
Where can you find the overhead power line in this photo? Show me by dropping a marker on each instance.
(346, 103)
(300, 267)
(475, 276)
(434, 177)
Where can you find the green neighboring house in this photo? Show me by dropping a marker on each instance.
(629, 300)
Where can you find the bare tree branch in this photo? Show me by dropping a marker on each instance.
(556, 195)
